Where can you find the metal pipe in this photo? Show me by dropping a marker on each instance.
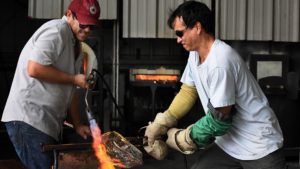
(115, 72)
(136, 141)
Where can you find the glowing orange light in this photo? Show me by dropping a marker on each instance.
(85, 62)
(156, 77)
(106, 162)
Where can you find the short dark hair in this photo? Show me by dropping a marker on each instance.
(191, 12)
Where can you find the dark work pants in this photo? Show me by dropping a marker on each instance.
(27, 142)
(215, 158)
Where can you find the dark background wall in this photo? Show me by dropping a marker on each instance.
(15, 29)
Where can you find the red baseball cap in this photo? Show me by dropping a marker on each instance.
(87, 11)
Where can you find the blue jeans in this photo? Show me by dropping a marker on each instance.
(215, 158)
(27, 142)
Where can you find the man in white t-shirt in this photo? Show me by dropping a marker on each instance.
(43, 88)
(239, 130)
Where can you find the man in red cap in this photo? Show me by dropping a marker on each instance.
(43, 88)
(85, 13)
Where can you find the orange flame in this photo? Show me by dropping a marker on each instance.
(100, 150)
(156, 77)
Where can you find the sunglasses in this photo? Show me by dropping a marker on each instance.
(92, 27)
(180, 33)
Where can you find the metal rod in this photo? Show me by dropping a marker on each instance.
(55, 164)
(65, 147)
(136, 141)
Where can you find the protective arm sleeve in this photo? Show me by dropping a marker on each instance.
(183, 101)
(208, 127)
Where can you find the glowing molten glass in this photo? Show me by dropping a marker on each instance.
(112, 149)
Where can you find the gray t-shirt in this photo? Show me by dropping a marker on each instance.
(38, 103)
(225, 79)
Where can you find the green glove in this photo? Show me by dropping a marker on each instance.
(208, 127)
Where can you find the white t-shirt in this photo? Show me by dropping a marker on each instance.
(38, 103)
(225, 79)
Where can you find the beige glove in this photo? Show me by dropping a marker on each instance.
(179, 107)
(158, 150)
(159, 127)
(179, 139)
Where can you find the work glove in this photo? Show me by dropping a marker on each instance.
(180, 140)
(159, 127)
(159, 149)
